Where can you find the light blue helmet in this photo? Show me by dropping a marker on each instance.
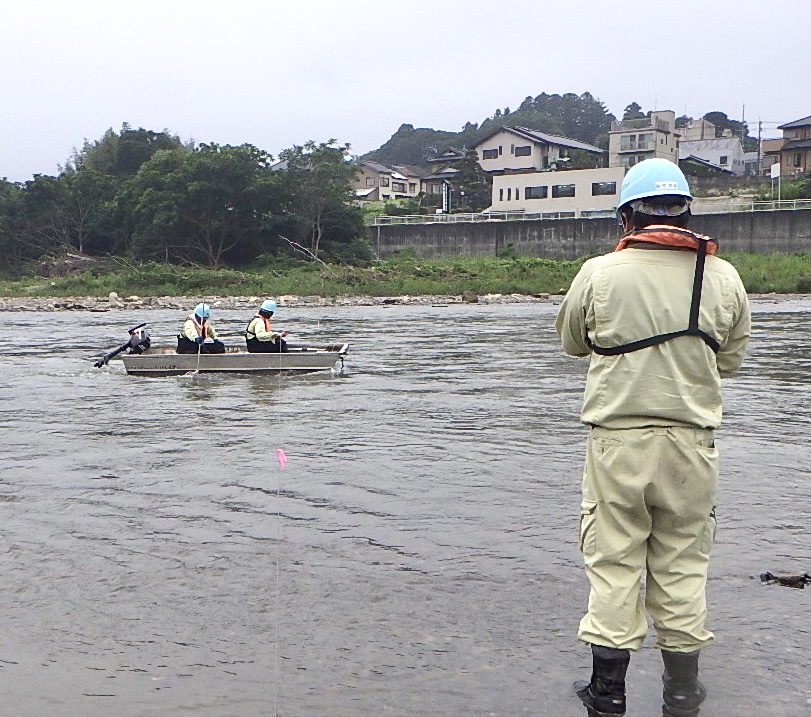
(268, 305)
(653, 178)
(203, 311)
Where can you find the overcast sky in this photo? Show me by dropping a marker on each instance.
(274, 73)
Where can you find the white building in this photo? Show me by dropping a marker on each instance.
(633, 141)
(724, 152)
(518, 148)
(574, 193)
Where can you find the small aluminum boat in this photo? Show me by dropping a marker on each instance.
(298, 359)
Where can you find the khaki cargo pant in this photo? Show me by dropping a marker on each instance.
(648, 508)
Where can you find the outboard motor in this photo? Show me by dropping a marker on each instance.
(138, 343)
(139, 340)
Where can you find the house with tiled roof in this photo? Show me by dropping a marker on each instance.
(515, 149)
(724, 153)
(376, 181)
(795, 154)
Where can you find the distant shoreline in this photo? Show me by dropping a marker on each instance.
(185, 303)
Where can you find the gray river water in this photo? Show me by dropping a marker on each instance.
(416, 555)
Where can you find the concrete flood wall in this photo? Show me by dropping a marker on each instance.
(758, 232)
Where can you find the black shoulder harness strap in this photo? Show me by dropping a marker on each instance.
(692, 327)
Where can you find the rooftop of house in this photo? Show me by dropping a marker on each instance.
(451, 154)
(797, 144)
(376, 166)
(409, 170)
(703, 163)
(714, 144)
(534, 135)
(804, 122)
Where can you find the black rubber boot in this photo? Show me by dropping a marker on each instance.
(683, 693)
(604, 696)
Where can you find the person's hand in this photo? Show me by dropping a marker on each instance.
(284, 333)
(199, 340)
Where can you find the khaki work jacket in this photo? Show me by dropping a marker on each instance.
(637, 293)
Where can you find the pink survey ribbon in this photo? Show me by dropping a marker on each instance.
(282, 457)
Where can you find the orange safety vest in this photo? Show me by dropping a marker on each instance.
(264, 318)
(669, 236)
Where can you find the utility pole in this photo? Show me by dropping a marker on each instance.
(759, 151)
(743, 127)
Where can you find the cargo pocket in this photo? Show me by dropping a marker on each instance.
(588, 529)
(710, 530)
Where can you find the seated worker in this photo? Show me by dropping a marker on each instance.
(196, 329)
(259, 336)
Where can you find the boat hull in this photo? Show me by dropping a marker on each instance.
(165, 361)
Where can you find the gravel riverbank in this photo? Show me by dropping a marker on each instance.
(183, 303)
(114, 303)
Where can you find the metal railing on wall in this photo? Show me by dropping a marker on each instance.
(749, 206)
(714, 208)
(385, 220)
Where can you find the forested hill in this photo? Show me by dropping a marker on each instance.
(580, 117)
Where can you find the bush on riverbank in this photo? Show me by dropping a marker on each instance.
(401, 275)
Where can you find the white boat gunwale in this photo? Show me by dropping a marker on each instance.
(299, 358)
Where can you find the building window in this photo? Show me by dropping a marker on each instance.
(536, 192)
(412, 188)
(490, 154)
(384, 181)
(562, 190)
(509, 193)
(724, 159)
(524, 151)
(646, 141)
(602, 189)
(371, 182)
(798, 159)
(627, 142)
(398, 186)
(501, 195)
(499, 149)
(517, 193)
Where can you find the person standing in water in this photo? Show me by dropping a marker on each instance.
(662, 320)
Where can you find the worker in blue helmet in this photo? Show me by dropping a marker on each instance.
(662, 320)
(195, 330)
(260, 336)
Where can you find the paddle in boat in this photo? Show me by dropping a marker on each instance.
(144, 359)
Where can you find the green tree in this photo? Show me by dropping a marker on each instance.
(472, 186)
(201, 206)
(320, 178)
(47, 224)
(121, 154)
(12, 249)
(87, 202)
(414, 146)
(736, 129)
(581, 117)
(633, 112)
